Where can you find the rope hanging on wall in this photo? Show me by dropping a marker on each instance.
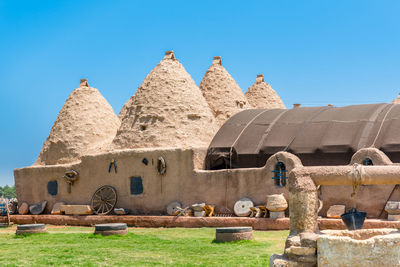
(356, 177)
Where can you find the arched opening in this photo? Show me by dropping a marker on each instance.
(367, 162)
(280, 174)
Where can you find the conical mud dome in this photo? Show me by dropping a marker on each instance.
(222, 93)
(168, 110)
(261, 95)
(124, 108)
(86, 124)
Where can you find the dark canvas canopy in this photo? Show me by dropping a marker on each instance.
(317, 135)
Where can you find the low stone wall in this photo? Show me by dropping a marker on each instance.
(187, 222)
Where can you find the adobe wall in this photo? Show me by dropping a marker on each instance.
(181, 182)
(379, 194)
(184, 181)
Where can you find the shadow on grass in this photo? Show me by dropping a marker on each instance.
(25, 235)
(232, 242)
(99, 236)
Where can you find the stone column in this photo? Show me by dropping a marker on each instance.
(303, 203)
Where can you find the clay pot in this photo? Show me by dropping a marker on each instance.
(276, 202)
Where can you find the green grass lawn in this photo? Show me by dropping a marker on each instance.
(77, 246)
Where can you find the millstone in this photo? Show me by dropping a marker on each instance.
(234, 229)
(111, 229)
(36, 209)
(172, 208)
(242, 207)
(36, 226)
(31, 229)
(110, 226)
(228, 234)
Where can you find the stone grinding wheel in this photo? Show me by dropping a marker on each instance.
(239, 229)
(242, 207)
(111, 229)
(228, 234)
(104, 200)
(31, 228)
(172, 208)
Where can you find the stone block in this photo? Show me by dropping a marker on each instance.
(293, 240)
(366, 247)
(23, 209)
(392, 207)
(335, 211)
(37, 209)
(300, 251)
(199, 213)
(121, 211)
(76, 209)
(312, 260)
(56, 208)
(393, 217)
(281, 261)
(276, 214)
(308, 240)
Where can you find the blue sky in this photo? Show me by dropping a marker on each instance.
(311, 52)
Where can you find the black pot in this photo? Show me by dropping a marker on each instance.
(354, 219)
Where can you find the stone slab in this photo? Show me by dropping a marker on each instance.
(301, 251)
(276, 214)
(393, 217)
(76, 209)
(121, 211)
(37, 209)
(308, 240)
(335, 211)
(57, 208)
(23, 209)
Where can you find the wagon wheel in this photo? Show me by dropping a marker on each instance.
(104, 200)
